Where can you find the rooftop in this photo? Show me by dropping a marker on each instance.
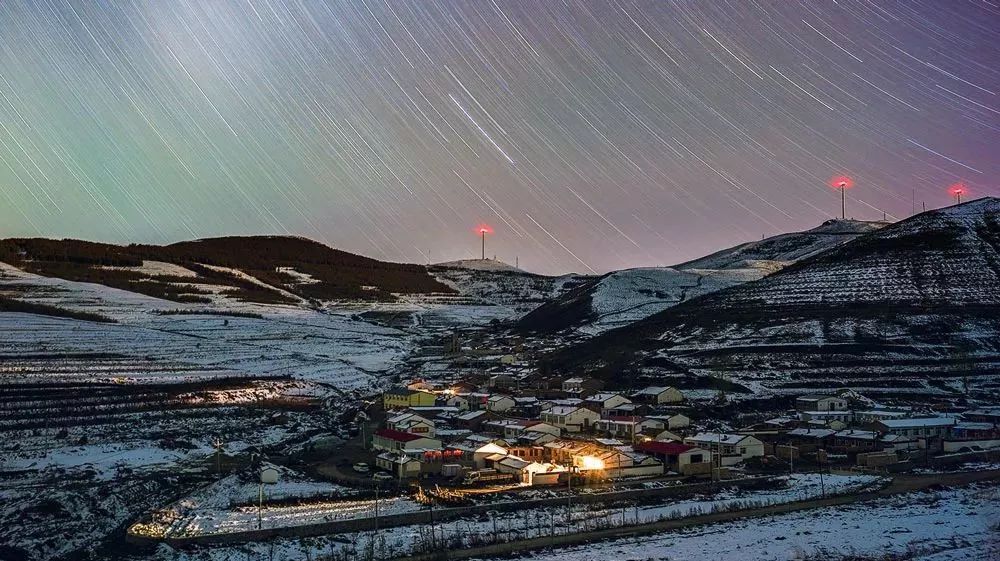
(397, 435)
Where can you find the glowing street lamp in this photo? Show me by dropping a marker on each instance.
(957, 190)
(843, 183)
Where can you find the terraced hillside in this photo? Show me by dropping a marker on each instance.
(912, 309)
(624, 297)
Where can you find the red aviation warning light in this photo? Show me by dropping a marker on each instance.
(957, 190)
(842, 183)
(482, 230)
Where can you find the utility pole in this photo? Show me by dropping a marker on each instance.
(482, 231)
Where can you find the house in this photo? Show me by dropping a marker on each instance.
(734, 448)
(658, 395)
(604, 401)
(393, 440)
(627, 428)
(581, 386)
(527, 406)
(809, 439)
(619, 427)
(983, 415)
(411, 423)
(501, 382)
(627, 410)
(401, 398)
(966, 430)
(398, 464)
(968, 435)
(820, 403)
(538, 473)
(837, 420)
(677, 457)
(856, 441)
(872, 416)
(924, 427)
(459, 401)
(674, 421)
(500, 403)
(471, 420)
(896, 443)
(570, 418)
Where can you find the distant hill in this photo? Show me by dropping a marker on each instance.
(496, 283)
(623, 297)
(911, 308)
(264, 269)
(480, 265)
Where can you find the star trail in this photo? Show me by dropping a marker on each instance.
(590, 135)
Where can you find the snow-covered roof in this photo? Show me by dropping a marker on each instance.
(811, 433)
(563, 409)
(918, 422)
(857, 434)
(602, 397)
(717, 438)
(652, 390)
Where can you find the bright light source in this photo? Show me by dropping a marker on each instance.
(590, 462)
(841, 182)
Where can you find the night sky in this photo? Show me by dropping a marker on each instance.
(590, 136)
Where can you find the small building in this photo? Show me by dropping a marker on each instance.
(471, 420)
(527, 406)
(922, 427)
(658, 395)
(872, 416)
(605, 401)
(678, 457)
(411, 423)
(809, 439)
(398, 464)
(401, 398)
(820, 403)
(983, 415)
(853, 441)
(734, 448)
(459, 401)
(501, 382)
(393, 440)
(834, 419)
(570, 418)
(673, 422)
(500, 403)
(581, 385)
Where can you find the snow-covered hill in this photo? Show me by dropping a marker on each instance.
(624, 297)
(911, 308)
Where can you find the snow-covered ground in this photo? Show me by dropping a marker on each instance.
(952, 525)
(945, 525)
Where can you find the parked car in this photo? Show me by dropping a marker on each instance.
(382, 476)
(362, 467)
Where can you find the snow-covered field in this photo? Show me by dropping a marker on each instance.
(951, 525)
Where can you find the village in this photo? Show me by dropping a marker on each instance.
(545, 431)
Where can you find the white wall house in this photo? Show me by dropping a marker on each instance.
(820, 403)
(735, 448)
(928, 427)
(658, 394)
(570, 418)
(500, 403)
(411, 423)
(605, 400)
